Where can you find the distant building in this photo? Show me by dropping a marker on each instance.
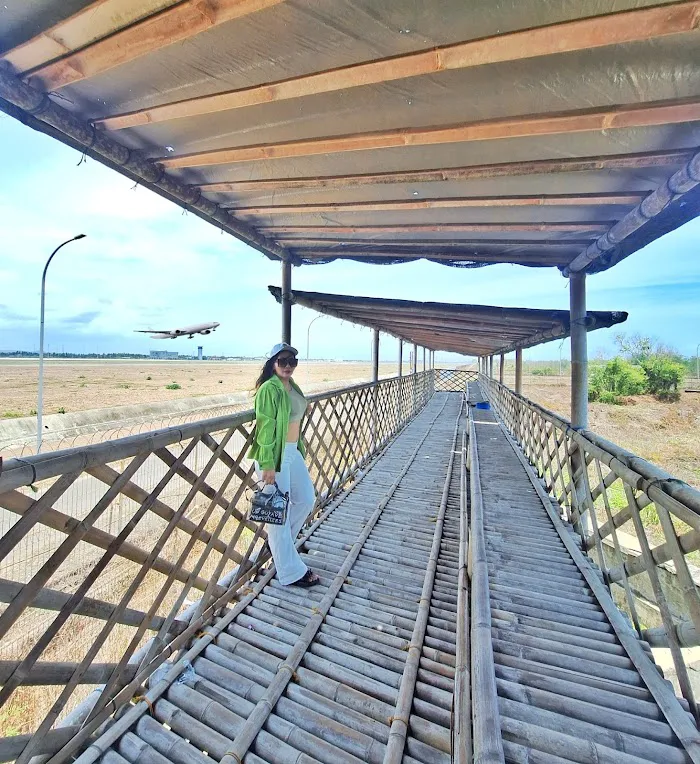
(164, 355)
(199, 352)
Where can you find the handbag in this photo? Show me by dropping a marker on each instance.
(270, 507)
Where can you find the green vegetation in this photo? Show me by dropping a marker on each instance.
(173, 386)
(60, 410)
(647, 367)
(124, 385)
(12, 415)
(547, 371)
(664, 375)
(149, 377)
(617, 378)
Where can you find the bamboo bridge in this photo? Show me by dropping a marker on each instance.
(497, 584)
(458, 618)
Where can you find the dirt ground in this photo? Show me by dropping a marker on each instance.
(667, 434)
(92, 384)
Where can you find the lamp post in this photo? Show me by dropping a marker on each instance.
(40, 400)
(697, 361)
(308, 337)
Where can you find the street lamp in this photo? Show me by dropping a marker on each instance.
(40, 401)
(308, 336)
(697, 361)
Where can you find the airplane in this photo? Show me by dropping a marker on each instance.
(173, 334)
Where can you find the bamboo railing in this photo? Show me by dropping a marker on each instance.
(639, 524)
(104, 589)
(453, 380)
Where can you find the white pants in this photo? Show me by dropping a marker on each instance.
(293, 478)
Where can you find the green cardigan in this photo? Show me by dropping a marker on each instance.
(272, 409)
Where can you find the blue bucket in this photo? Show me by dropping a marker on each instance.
(483, 405)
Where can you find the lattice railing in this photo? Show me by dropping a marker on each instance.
(115, 556)
(640, 524)
(453, 380)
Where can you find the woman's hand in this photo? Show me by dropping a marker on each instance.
(268, 477)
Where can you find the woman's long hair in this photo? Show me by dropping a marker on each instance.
(267, 372)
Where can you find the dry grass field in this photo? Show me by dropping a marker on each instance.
(91, 384)
(667, 434)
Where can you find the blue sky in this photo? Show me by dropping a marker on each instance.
(146, 264)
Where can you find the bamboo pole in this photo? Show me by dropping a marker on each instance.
(402, 712)
(287, 302)
(488, 746)
(462, 747)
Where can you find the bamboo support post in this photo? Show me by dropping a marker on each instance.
(519, 371)
(287, 302)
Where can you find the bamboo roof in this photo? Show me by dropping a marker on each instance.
(468, 329)
(545, 134)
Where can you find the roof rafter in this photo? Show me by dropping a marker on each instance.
(535, 258)
(474, 172)
(176, 23)
(544, 200)
(580, 34)
(667, 112)
(275, 231)
(341, 243)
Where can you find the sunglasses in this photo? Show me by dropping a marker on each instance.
(292, 362)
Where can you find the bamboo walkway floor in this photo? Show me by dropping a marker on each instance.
(362, 667)
(567, 690)
(332, 673)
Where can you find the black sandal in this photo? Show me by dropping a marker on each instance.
(308, 579)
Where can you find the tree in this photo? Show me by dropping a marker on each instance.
(634, 347)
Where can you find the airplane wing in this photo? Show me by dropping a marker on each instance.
(154, 331)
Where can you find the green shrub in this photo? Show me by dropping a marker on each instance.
(545, 372)
(663, 377)
(60, 410)
(12, 415)
(149, 377)
(173, 386)
(615, 379)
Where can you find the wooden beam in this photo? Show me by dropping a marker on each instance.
(90, 23)
(275, 231)
(582, 34)
(340, 243)
(522, 126)
(177, 23)
(544, 200)
(635, 161)
(455, 256)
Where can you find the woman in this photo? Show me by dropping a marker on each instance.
(279, 458)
